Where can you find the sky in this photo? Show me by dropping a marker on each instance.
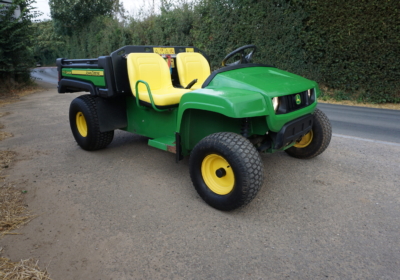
(130, 6)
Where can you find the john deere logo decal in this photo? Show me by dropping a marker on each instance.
(298, 99)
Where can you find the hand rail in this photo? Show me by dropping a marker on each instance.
(150, 95)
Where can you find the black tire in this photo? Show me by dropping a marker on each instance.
(320, 135)
(241, 159)
(84, 124)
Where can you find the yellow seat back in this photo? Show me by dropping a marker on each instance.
(149, 67)
(192, 66)
(152, 68)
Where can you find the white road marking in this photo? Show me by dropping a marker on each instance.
(366, 140)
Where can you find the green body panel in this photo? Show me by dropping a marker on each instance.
(96, 76)
(258, 125)
(197, 124)
(230, 102)
(148, 122)
(163, 143)
(269, 81)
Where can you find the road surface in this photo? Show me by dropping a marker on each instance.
(130, 212)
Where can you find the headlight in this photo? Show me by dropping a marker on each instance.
(309, 93)
(275, 103)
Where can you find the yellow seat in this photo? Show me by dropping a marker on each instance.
(192, 66)
(152, 68)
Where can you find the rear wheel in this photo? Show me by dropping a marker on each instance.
(85, 124)
(226, 170)
(316, 141)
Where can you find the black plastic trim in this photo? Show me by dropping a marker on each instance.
(70, 85)
(230, 68)
(178, 147)
(78, 63)
(292, 131)
(288, 104)
(105, 62)
(111, 113)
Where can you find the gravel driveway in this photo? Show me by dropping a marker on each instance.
(130, 212)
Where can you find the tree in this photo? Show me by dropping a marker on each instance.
(15, 41)
(72, 15)
(48, 45)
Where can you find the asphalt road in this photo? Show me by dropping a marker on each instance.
(363, 122)
(130, 212)
(45, 74)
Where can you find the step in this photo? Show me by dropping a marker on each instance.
(166, 143)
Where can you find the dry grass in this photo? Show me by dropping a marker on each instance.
(4, 135)
(332, 96)
(6, 157)
(14, 214)
(13, 211)
(23, 270)
(8, 96)
(391, 106)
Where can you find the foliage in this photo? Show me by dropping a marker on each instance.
(72, 15)
(351, 47)
(47, 44)
(15, 41)
(92, 41)
(356, 45)
(224, 25)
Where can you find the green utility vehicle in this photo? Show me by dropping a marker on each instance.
(223, 119)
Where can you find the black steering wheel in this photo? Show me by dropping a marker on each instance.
(244, 58)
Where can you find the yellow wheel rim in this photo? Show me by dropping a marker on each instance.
(81, 124)
(305, 140)
(217, 174)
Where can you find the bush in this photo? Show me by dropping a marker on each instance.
(16, 56)
(351, 47)
(356, 45)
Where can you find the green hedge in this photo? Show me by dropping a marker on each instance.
(352, 46)
(356, 45)
(16, 56)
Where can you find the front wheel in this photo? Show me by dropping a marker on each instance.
(226, 170)
(85, 124)
(316, 141)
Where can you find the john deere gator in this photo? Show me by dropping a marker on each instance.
(222, 119)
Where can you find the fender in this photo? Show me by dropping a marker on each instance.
(230, 102)
(70, 85)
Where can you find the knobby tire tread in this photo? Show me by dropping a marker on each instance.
(243, 153)
(99, 140)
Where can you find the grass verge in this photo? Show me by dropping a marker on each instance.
(23, 270)
(13, 214)
(332, 96)
(11, 94)
(13, 211)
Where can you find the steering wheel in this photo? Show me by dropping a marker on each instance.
(243, 58)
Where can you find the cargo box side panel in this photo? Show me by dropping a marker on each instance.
(95, 76)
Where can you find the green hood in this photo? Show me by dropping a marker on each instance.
(268, 81)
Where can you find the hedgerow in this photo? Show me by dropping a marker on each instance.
(352, 46)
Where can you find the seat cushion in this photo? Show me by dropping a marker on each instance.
(164, 97)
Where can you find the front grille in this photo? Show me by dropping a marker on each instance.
(294, 102)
